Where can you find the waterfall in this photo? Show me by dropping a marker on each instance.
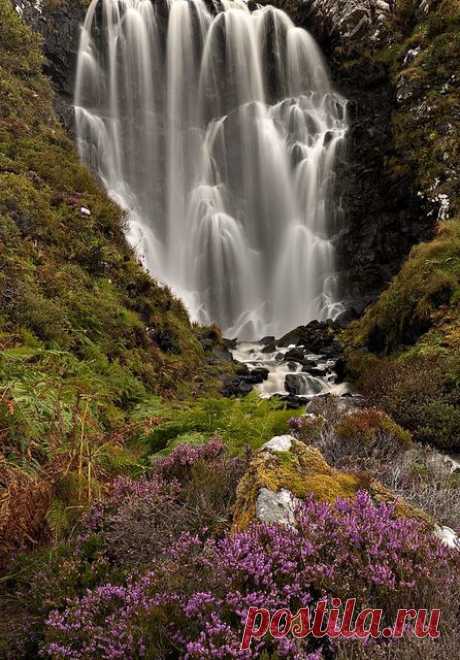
(216, 129)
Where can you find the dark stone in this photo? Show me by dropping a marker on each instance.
(261, 373)
(236, 387)
(269, 348)
(317, 337)
(255, 376)
(292, 402)
(295, 354)
(293, 384)
(267, 341)
(320, 372)
(340, 370)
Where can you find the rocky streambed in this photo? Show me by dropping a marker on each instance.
(303, 364)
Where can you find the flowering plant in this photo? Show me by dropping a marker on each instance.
(194, 602)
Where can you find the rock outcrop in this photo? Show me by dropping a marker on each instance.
(59, 24)
(286, 470)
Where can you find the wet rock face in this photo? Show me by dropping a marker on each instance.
(382, 215)
(351, 19)
(59, 25)
(340, 22)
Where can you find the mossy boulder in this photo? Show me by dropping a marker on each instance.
(289, 470)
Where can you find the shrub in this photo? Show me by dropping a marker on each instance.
(194, 603)
(374, 432)
(363, 438)
(191, 490)
(420, 392)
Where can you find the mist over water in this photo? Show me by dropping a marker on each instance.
(217, 130)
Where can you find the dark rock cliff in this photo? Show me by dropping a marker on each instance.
(59, 25)
(382, 214)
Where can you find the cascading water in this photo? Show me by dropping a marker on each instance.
(216, 129)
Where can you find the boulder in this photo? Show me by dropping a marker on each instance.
(295, 354)
(269, 348)
(236, 386)
(285, 470)
(317, 337)
(275, 507)
(316, 370)
(302, 384)
(257, 375)
(291, 401)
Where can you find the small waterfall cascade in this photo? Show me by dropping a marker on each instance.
(216, 129)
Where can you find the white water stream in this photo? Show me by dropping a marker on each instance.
(307, 385)
(217, 130)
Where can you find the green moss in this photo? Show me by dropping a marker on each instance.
(423, 296)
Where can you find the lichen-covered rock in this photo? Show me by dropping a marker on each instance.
(275, 479)
(278, 443)
(274, 507)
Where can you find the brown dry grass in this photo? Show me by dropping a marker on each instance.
(24, 502)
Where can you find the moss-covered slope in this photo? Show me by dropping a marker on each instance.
(85, 334)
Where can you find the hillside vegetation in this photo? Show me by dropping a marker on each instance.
(85, 333)
(405, 351)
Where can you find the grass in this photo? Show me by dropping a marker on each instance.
(241, 423)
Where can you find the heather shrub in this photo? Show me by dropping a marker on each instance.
(369, 440)
(362, 438)
(424, 479)
(135, 523)
(191, 490)
(193, 603)
(373, 433)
